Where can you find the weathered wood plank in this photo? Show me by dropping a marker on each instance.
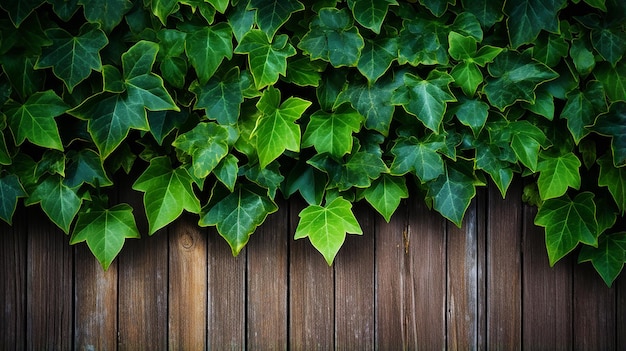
(311, 297)
(547, 313)
(620, 330)
(594, 311)
(226, 314)
(49, 295)
(465, 258)
(267, 283)
(143, 284)
(411, 280)
(187, 293)
(13, 283)
(95, 302)
(504, 290)
(354, 286)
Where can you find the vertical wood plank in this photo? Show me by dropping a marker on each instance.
(411, 280)
(465, 257)
(267, 283)
(13, 283)
(311, 297)
(504, 290)
(594, 311)
(547, 312)
(143, 287)
(187, 295)
(95, 302)
(226, 315)
(620, 311)
(49, 293)
(354, 286)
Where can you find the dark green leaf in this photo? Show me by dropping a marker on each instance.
(370, 13)
(453, 191)
(550, 49)
(227, 170)
(488, 12)
(59, 202)
(613, 79)
(437, 7)
(377, 56)
(85, 166)
(613, 124)
(472, 113)
(207, 47)
(528, 18)
(582, 108)
(10, 191)
(373, 101)
(19, 10)
(304, 72)
(423, 41)
(420, 157)
(105, 231)
(162, 123)
(615, 179)
(237, 215)
(272, 14)
(568, 222)
(268, 177)
(20, 71)
(267, 60)
(207, 143)
(221, 97)
(108, 13)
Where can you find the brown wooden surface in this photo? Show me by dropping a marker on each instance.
(418, 282)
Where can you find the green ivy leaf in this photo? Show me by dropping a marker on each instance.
(237, 215)
(488, 12)
(610, 43)
(207, 143)
(268, 177)
(332, 37)
(581, 109)
(73, 58)
(377, 56)
(370, 13)
(327, 226)
(272, 14)
(34, 120)
(386, 193)
(163, 8)
(219, 5)
(206, 48)
(221, 97)
(437, 7)
(105, 231)
(557, 173)
(276, 130)
(357, 171)
(526, 142)
(472, 113)
(613, 79)
(167, 192)
(373, 101)
(308, 181)
(608, 258)
(20, 10)
(10, 191)
(332, 132)
(425, 98)
(171, 47)
(162, 123)
(227, 170)
(107, 13)
(568, 222)
(59, 202)
(241, 19)
(614, 179)
(423, 41)
(514, 77)
(527, 18)
(613, 124)
(418, 156)
(304, 72)
(85, 166)
(267, 60)
(550, 49)
(21, 72)
(453, 191)
(582, 56)
(495, 161)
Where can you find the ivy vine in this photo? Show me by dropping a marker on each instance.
(216, 107)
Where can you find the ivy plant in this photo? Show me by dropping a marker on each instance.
(218, 107)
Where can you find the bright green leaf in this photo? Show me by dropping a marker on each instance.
(568, 222)
(207, 143)
(527, 18)
(227, 170)
(332, 37)
(10, 191)
(267, 60)
(167, 192)
(526, 142)
(105, 231)
(59, 202)
(219, 5)
(421, 157)
(73, 58)
(385, 194)
(206, 48)
(272, 14)
(163, 8)
(237, 215)
(327, 226)
(370, 13)
(34, 120)
(332, 132)
(276, 130)
(557, 174)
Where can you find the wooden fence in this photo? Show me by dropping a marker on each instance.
(418, 282)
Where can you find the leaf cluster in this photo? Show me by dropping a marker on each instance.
(216, 107)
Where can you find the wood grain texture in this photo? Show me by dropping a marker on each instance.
(466, 282)
(187, 292)
(49, 295)
(504, 293)
(267, 284)
(411, 280)
(226, 314)
(355, 288)
(620, 312)
(311, 294)
(547, 313)
(13, 283)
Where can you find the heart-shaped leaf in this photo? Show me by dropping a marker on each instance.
(332, 132)
(59, 202)
(370, 13)
(206, 48)
(608, 258)
(386, 193)
(267, 60)
(272, 14)
(557, 173)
